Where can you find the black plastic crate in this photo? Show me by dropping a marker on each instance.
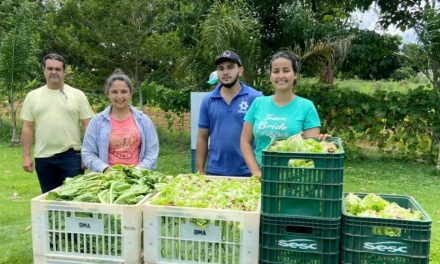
(362, 244)
(299, 240)
(291, 191)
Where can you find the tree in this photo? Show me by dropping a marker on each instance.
(424, 17)
(372, 56)
(322, 39)
(402, 13)
(326, 55)
(136, 37)
(289, 23)
(18, 58)
(415, 57)
(428, 31)
(227, 25)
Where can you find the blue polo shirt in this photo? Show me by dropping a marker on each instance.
(225, 123)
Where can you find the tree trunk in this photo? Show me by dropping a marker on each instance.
(15, 139)
(327, 73)
(438, 157)
(141, 100)
(137, 84)
(435, 66)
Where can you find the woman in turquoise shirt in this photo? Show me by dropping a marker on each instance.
(282, 114)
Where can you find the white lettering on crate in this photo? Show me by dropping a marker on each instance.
(299, 244)
(392, 247)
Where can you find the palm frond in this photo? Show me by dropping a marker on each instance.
(227, 25)
(330, 50)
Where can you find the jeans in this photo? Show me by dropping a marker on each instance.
(52, 171)
(215, 174)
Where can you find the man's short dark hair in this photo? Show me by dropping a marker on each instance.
(54, 56)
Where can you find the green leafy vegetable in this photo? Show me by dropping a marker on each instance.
(301, 163)
(122, 185)
(194, 190)
(372, 205)
(297, 143)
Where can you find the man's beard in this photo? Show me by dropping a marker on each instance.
(229, 85)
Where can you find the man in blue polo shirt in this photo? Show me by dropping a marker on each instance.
(221, 120)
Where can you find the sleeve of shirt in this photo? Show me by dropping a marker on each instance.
(259, 93)
(90, 148)
(250, 114)
(312, 118)
(255, 95)
(151, 150)
(26, 110)
(203, 114)
(85, 108)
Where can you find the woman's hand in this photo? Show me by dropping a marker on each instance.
(323, 136)
(315, 133)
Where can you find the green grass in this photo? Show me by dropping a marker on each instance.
(15, 231)
(369, 87)
(371, 175)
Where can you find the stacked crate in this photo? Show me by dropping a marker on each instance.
(175, 234)
(79, 232)
(372, 240)
(301, 207)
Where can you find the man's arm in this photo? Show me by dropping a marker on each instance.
(85, 123)
(27, 134)
(202, 149)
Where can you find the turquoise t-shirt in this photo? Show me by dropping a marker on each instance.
(270, 120)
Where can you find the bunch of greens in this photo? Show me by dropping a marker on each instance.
(174, 247)
(109, 242)
(122, 185)
(301, 163)
(297, 143)
(373, 205)
(195, 190)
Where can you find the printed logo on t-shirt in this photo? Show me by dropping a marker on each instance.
(243, 107)
(123, 142)
(273, 126)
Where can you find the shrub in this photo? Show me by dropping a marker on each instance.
(403, 73)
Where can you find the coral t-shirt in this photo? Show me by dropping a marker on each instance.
(125, 142)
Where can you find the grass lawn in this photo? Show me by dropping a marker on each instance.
(371, 175)
(369, 87)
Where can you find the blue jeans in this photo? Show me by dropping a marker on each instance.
(215, 174)
(52, 171)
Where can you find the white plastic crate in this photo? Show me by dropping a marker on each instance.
(77, 232)
(172, 235)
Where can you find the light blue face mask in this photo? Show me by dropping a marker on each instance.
(213, 78)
